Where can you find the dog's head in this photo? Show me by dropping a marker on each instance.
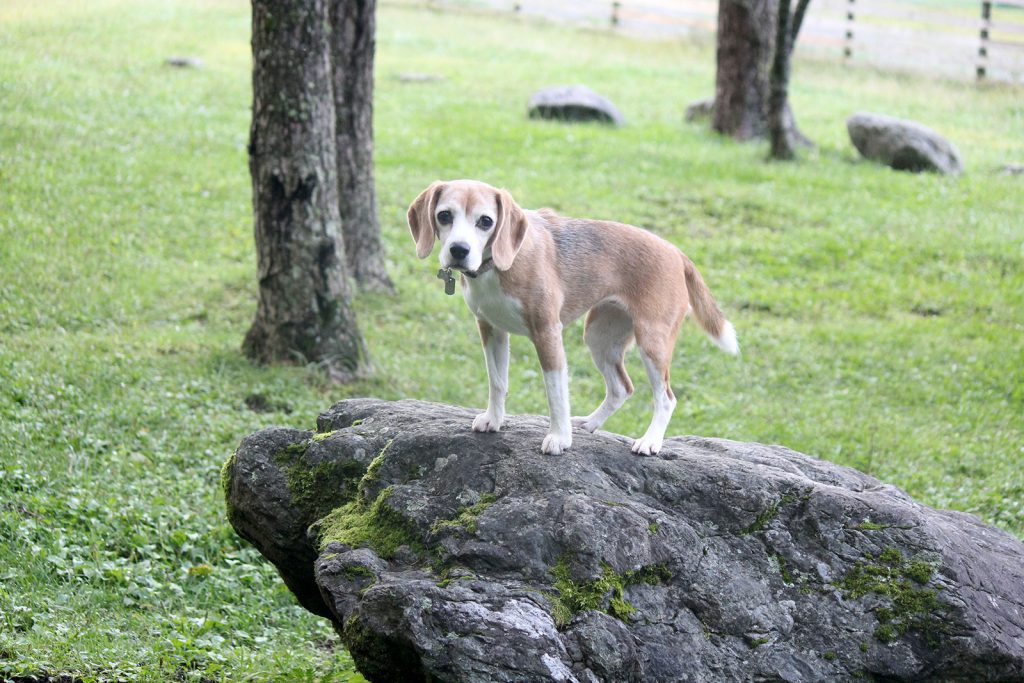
(473, 221)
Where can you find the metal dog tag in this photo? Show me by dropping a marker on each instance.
(449, 280)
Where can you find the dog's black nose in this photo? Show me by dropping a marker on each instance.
(459, 250)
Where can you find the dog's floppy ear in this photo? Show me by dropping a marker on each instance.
(509, 232)
(421, 218)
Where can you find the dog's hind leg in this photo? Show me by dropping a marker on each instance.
(608, 333)
(656, 352)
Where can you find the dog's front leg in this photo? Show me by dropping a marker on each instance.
(548, 340)
(496, 354)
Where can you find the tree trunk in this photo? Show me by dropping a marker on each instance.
(352, 50)
(746, 49)
(782, 130)
(779, 133)
(304, 313)
(746, 42)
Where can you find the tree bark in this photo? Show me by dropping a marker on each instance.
(747, 35)
(779, 133)
(353, 44)
(782, 131)
(745, 45)
(304, 312)
(797, 22)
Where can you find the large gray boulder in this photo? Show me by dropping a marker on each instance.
(903, 145)
(443, 554)
(573, 103)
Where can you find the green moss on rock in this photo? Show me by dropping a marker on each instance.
(377, 526)
(287, 455)
(446, 578)
(652, 575)
(606, 593)
(369, 478)
(317, 489)
(908, 605)
(919, 571)
(357, 571)
(779, 562)
(323, 436)
(225, 475)
(767, 515)
(466, 519)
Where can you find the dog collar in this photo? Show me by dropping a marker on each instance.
(484, 267)
(449, 279)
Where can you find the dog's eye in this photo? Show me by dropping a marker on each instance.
(484, 222)
(444, 217)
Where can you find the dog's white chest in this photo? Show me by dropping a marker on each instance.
(490, 303)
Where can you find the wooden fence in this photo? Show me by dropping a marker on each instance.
(984, 40)
(948, 38)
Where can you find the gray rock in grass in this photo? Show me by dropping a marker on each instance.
(700, 110)
(418, 77)
(184, 62)
(573, 103)
(443, 554)
(903, 145)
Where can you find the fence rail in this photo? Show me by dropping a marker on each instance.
(970, 38)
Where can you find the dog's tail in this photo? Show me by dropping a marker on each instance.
(707, 312)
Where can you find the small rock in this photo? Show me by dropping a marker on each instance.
(1013, 169)
(573, 103)
(701, 110)
(184, 62)
(416, 77)
(259, 403)
(903, 145)
(926, 311)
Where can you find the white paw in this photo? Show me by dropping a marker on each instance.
(555, 444)
(486, 422)
(586, 423)
(646, 445)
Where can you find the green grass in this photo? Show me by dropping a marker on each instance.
(880, 313)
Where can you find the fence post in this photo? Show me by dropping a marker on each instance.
(848, 45)
(986, 24)
(615, 13)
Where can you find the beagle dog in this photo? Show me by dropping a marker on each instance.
(533, 272)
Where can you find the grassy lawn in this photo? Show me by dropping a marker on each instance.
(881, 314)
